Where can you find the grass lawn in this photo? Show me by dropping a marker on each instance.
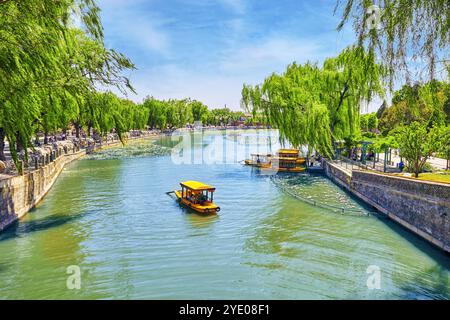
(436, 177)
(444, 178)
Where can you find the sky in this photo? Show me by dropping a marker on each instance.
(207, 49)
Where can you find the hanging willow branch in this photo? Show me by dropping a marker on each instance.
(411, 37)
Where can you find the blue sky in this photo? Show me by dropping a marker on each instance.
(206, 49)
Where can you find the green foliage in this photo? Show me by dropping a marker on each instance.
(443, 141)
(363, 123)
(256, 119)
(414, 29)
(157, 113)
(368, 122)
(107, 112)
(372, 122)
(220, 116)
(381, 109)
(380, 144)
(368, 136)
(169, 114)
(417, 144)
(199, 111)
(424, 103)
(49, 71)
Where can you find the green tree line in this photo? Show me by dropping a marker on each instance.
(418, 123)
(172, 113)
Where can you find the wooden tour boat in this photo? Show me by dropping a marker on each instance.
(285, 160)
(259, 160)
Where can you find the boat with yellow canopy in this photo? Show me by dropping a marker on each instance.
(197, 196)
(285, 160)
(288, 160)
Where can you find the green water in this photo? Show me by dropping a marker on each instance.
(109, 215)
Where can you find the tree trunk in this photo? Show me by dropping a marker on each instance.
(417, 169)
(2, 145)
(19, 144)
(46, 137)
(341, 102)
(77, 130)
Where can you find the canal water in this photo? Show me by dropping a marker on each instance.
(108, 216)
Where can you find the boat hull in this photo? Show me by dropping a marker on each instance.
(206, 208)
(255, 164)
(275, 169)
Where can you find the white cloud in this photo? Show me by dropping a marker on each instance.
(144, 30)
(173, 81)
(271, 55)
(149, 36)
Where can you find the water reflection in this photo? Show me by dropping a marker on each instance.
(201, 222)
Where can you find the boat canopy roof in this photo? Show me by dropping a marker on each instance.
(290, 151)
(261, 155)
(196, 185)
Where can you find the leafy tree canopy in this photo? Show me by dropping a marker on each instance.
(312, 105)
(424, 103)
(417, 144)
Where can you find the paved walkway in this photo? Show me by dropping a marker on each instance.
(348, 165)
(434, 162)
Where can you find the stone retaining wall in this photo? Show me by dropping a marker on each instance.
(19, 194)
(421, 206)
(338, 175)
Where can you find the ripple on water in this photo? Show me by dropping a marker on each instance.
(112, 218)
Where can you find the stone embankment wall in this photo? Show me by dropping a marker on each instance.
(19, 194)
(421, 206)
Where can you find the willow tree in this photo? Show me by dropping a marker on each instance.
(57, 109)
(405, 34)
(31, 35)
(135, 116)
(221, 116)
(312, 105)
(156, 113)
(48, 68)
(183, 112)
(91, 66)
(443, 146)
(199, 111)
